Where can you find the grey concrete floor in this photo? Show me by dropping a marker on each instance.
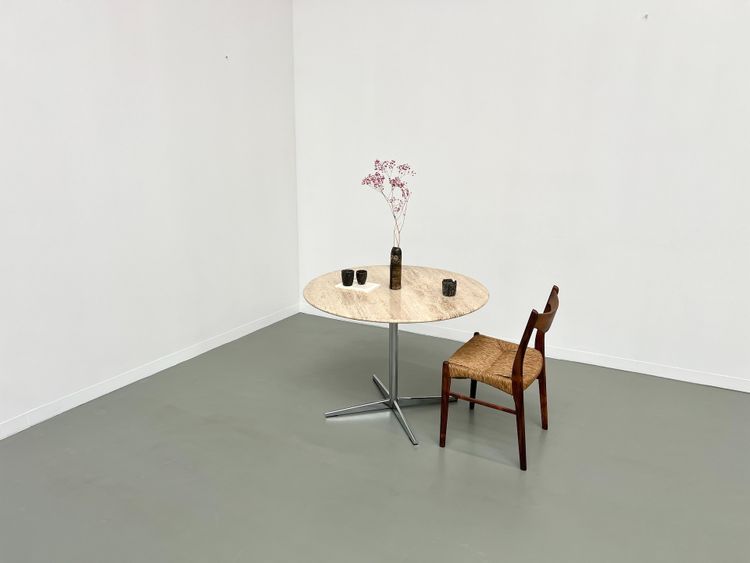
(227, 457)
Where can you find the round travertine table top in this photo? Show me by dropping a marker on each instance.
(419, 300)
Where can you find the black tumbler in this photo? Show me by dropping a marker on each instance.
(449, 287)
(361, 277)
(347, 277)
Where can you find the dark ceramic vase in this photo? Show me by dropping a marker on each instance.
(395, 268)
(361, 277)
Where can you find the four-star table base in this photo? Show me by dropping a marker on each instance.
(391, 400)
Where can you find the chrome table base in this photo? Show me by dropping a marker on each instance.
(390, 401)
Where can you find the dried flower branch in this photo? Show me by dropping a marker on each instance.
(398, 194)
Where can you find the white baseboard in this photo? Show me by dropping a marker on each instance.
(53, 408)
(592, 358)
(651, 368)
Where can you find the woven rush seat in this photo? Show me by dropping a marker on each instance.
(490, 360)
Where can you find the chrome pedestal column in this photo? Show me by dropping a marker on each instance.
(391, 400)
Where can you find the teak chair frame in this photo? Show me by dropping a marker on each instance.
(541, 322)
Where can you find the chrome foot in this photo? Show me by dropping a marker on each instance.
(400, 416)
(359, 409)
(381, 387)
(425, 400)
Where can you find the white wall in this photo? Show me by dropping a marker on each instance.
(147, 190)
(578, 143)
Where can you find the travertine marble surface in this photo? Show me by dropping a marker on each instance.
(419, 300)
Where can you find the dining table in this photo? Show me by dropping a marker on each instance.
(420, 300)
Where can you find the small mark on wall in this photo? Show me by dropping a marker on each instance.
(645, 17)
(226, 57)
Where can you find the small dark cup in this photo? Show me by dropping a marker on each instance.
(449, 287)
(347, 277)
(361, 277)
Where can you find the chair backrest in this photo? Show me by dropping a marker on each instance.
(541, 322)
(544, 320)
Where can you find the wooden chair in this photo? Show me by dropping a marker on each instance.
(503, 365)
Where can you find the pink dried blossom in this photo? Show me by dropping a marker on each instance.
(375, 180)
(398, 197)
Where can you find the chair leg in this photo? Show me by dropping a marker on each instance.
(521, 429)
(446, 389)
(473, 387)
(543, 399)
